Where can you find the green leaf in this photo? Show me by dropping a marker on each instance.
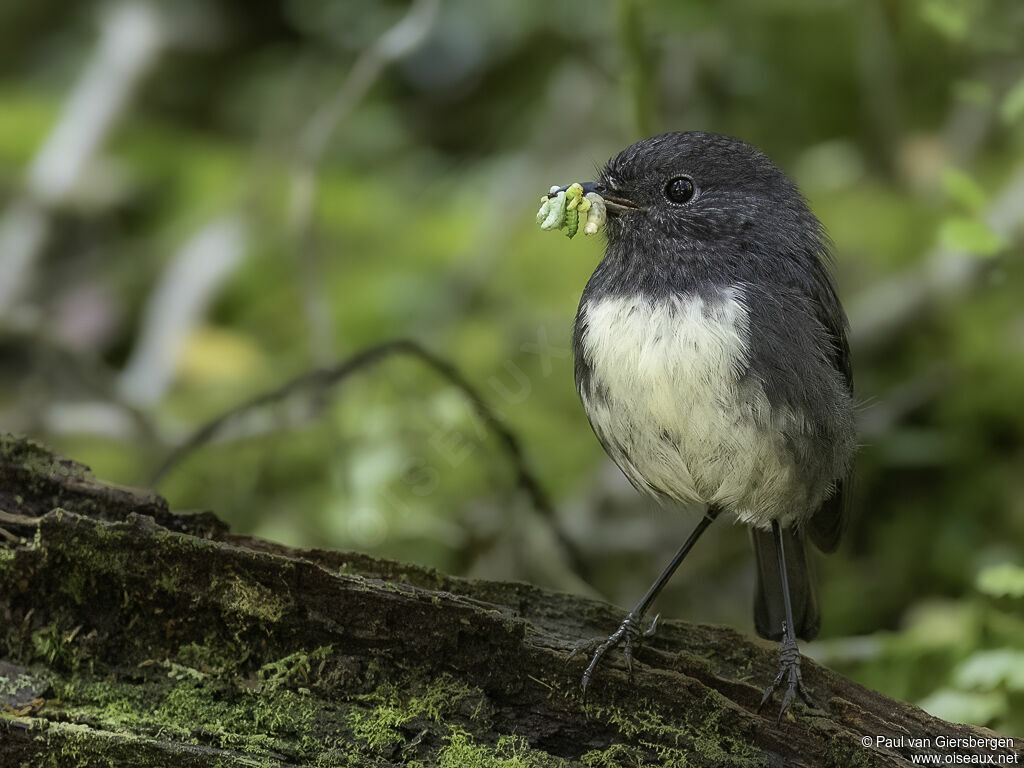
(950, 18)
(1004, 580)
(1012, 108)
(974, 92)
(962, 233)
(992, 669)
(962, 188)
(965, 707)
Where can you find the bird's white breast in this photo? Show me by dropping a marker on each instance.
(671, 400)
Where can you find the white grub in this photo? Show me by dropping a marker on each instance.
(597, 215)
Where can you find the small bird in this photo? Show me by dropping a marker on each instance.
(712, 362)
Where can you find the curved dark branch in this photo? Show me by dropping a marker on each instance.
(320, 381)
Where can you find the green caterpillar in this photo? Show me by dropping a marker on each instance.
(552, 211)
(573, 196)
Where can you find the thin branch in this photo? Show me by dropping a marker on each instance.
(11, 518)
(19, 520)
(318, 382)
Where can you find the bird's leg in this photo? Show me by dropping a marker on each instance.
(789, 653)
(629, 630)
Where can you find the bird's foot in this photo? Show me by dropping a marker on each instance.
(628, 633)
(789, 673)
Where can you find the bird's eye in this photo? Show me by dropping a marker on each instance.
(680, 190)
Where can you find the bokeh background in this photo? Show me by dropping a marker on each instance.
(201, 201)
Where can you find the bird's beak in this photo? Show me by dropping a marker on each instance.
(615, 203)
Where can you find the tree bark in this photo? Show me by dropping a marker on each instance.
(132, 635)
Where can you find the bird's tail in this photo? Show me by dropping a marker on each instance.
(769, 608)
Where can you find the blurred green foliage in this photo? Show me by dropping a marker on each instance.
(903, 122)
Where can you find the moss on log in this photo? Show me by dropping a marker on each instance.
(134, 636)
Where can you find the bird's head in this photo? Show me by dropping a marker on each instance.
(701, 191)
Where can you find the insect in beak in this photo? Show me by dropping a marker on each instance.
(614, 203)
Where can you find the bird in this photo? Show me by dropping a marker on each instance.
(711, 359)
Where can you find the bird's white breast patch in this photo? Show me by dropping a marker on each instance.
(670, 398)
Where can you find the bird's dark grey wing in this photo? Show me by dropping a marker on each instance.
(825, 528)
(801, 356)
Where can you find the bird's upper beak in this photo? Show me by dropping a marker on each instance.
(616, 203)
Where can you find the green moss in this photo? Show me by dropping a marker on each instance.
(192, 710)
(77, 584)
(295, 668)
(80, 745)
(215, 657)
(709, 741)
(461, 751)
(200, 697)
(671, 742)
(250, 598)
(616, 756)
(39, 462)
(267, 719)
(380, 727)
(53, 646)
(839, 753)
(73, 745)
(443, 696)
(106, 703)
(168, 582)
(439, 708)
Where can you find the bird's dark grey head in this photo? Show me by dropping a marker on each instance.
(696, 191)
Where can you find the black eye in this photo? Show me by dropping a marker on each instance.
(680, 190)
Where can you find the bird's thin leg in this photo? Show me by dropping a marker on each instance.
(789, 653)
(629, 631)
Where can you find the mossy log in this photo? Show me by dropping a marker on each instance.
(134, 636)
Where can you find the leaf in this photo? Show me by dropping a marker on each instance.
(215, 354)
(992, 669)
(948, 17)
(1012, 108)
(974, 92)
(964, 189)
(1004, 580)
(964, 706)
(968, 235)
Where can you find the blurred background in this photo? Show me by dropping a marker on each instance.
(200, 202)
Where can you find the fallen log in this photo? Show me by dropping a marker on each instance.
(136, 636)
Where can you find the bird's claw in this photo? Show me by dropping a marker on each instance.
(628, 633)
(654, 626)
(789, 672)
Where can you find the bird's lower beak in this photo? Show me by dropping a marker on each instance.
(615, 203)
